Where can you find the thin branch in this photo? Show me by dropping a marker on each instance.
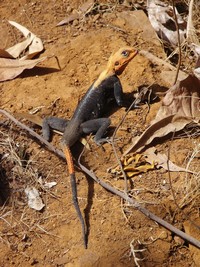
(108, 187)
(34, 134)
(143, 210)
(114, 148)
(162, 63)
(179, 42)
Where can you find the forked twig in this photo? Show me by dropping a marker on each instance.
(134, 251)
(108, 187)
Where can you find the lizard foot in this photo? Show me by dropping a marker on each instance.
(103, 141)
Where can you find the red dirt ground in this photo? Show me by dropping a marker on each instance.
(53, 237)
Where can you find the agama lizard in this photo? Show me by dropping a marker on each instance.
(87, 115)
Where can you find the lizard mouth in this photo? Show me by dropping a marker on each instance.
(132, 56)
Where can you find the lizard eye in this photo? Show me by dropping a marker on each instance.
(125, 53)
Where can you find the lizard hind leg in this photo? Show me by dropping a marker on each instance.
(54, 123)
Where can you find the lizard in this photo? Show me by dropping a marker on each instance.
(87, 117)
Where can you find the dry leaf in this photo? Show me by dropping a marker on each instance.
(17, 49)
(197, 67)
(134, 164)
(83, 10)
(180, 106)
(4, 54)
(11, 68)
(33, 43)
(182, 100)
(163, 161)
(69, 19)
(161, 17)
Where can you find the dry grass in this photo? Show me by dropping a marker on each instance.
(191, 184)
(19, 170)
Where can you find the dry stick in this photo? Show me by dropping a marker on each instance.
(179, 42)
(114, 148)
(161, 62)
(146, 212)
(108, 187)
(34, 134)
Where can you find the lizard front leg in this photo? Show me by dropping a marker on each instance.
(98, 126)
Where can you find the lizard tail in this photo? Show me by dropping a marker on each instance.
(70, 163)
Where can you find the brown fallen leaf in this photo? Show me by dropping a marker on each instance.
(162, 161)
(180, 107)
(11, 68)
(69, 19)
(182, 99)
(150, 159)
(162, 19)
(5, 54)
(83, 10)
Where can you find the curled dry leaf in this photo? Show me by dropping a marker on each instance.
(33, 43)
(137, 163)
(161, 17)
(180, 106)
(5, 54)
(11, 68)
(134, 164)
(12, 63)
(17, 49)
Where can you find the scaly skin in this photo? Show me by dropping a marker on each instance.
(87, 115)
(90, 109)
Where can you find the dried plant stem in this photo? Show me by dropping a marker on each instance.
(32, 133)
(108, 187)
(114, 148)
(162, 63)
(179, 41)
(146, 212)
(172, 190)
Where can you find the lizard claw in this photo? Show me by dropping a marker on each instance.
(103, 141)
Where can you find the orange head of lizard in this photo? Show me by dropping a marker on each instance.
(121, 58)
